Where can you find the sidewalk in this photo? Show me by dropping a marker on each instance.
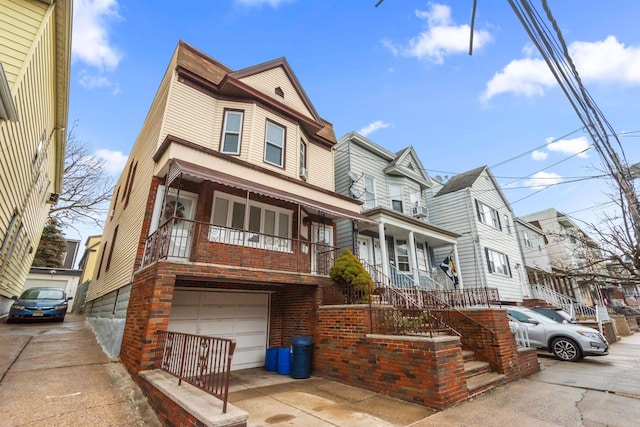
(54, 374)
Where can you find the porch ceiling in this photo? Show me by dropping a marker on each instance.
(206, 174)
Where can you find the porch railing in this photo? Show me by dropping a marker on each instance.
(520, 332)
(204, 362)
(568, 304)
(188, 240)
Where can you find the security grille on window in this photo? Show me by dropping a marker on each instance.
(369, 192)
(274, 144)
(497, 262)
(232, 133)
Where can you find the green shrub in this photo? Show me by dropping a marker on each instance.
(352, 278)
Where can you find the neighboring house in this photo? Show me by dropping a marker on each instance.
(392, 188)
(573, 255)
(223, 222)
(65, 277)
(534, 250)
(35, 58)
(89, 260)
(472, 205)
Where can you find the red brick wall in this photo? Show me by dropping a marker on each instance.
(528, 361)
(415, 369)
(169, 413)
(494, 343)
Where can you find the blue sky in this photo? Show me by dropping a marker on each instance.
(399, 73)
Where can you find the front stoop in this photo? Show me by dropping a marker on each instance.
(478, 375)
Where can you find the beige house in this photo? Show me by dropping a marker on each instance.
(223, 221)
(35, 52)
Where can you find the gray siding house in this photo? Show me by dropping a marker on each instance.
(472, 205)
(404, 244)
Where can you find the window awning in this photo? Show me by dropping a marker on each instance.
(197, 171)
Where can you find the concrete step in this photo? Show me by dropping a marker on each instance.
(468, 355)
(475, 367)
(483, 383)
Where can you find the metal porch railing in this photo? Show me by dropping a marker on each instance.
(568, 304)
(202, 361)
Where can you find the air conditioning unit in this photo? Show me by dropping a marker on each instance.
(304, 174)
(420, 211)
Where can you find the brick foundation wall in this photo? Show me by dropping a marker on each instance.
(528, 361)
(498, 348)
(421, 370)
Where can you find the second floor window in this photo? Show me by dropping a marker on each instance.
(369, 192)
(274, 145)
(303, 159)
(527, 240)
(232, 133)
(488, 215)
(395, 193)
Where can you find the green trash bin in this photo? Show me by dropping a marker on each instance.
(301, 357)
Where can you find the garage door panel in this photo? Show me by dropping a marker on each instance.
(233, 315)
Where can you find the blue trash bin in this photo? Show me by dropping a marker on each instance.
(301, 357)
(271, 363)
(284, 360)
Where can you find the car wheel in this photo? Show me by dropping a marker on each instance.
(566, 349)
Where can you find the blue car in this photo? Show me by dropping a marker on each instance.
(39, 303)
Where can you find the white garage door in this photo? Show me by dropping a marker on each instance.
(239, 315)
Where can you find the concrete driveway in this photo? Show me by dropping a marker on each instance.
(55, 374)
(597, 391)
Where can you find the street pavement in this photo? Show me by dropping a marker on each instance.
(55, 374)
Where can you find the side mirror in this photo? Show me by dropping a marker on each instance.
(15, 297)
(532, 321)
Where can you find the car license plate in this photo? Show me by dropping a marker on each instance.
(37, 314)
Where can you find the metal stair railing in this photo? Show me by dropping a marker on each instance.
(570, 305)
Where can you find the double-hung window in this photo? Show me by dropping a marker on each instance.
(497, 262)
(402, 254)
(232, 132)
(274, 144)
(527, 240)
(395, 193)
(303, 159)
(369, 192)
(488, 215)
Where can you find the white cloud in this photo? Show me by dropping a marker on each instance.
(441, 38)
(272, 3)
(541, 180)
(539, 155)
(114, 160)
(370, 128)
(606, 61)
(577, 146)
(91, 44)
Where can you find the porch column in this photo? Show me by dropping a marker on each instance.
(457, 265)
(383, 250)
(413, 259)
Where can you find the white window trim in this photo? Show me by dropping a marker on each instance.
(275, 243)
(369, 203)
(488, 215)
(225, 131)
(282, 147)
(399, 197)
(498, 263)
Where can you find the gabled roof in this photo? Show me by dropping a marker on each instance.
(396, 160)
(212, 76)
(467, 179)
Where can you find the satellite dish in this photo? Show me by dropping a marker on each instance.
(354, 176)
(355, 193)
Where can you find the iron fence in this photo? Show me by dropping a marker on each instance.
(202, 361)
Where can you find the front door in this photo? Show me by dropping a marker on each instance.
(183, 210)
(322, 251)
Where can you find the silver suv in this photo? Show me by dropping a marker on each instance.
(566, 341)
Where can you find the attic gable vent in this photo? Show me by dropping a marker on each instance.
(279, 92)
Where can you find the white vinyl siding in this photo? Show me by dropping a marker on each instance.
(267, 81)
